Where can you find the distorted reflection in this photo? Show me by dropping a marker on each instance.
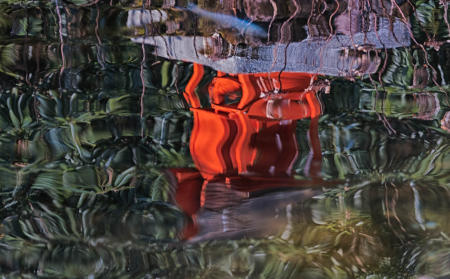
(342, 38)
(231, 139)
(245, 142)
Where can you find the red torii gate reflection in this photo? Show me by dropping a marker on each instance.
(249, 145)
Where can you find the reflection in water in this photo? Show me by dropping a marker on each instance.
(226, 20)
(275, 171)
(248, 144)
(339, 39)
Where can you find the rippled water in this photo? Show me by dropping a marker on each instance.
(226, 139)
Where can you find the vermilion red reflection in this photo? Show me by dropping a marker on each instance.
(249, 145)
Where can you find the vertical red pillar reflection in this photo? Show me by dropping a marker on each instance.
(189, 94)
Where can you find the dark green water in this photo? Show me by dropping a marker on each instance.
(92, 119)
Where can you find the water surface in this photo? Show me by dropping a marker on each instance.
(151, 139)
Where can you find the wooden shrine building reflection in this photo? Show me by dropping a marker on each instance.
(245, 142)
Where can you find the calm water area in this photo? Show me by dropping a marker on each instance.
(225, 139)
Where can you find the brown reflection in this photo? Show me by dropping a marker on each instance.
(245, 142)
